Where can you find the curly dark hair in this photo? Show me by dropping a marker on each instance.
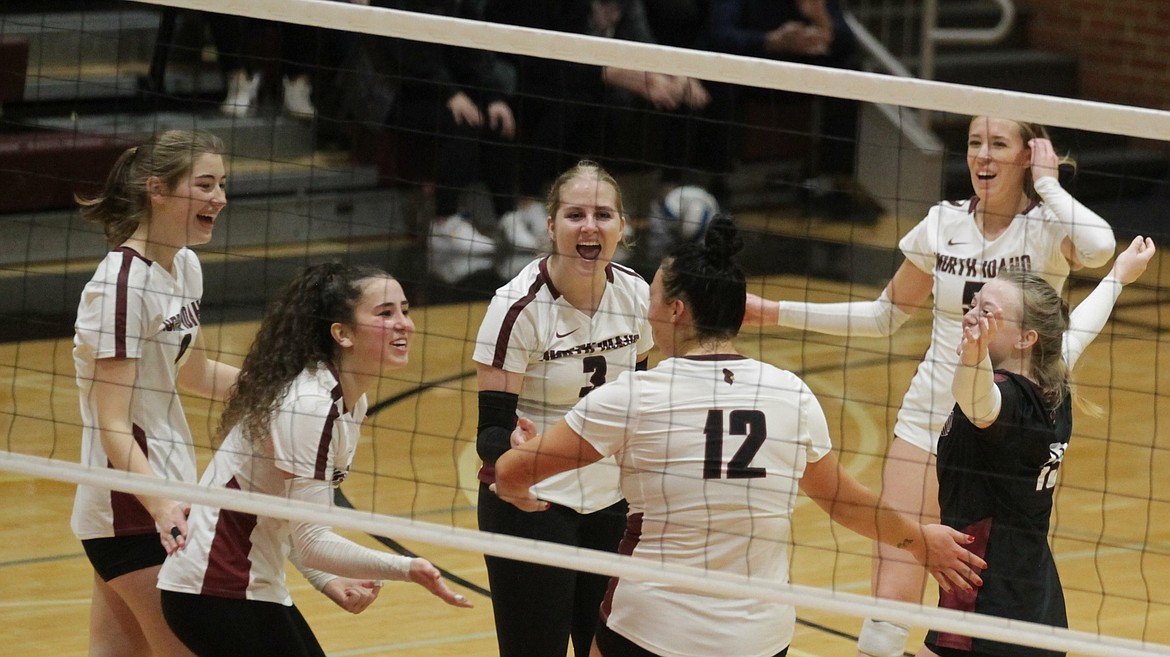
(707, 278)
(294, 334)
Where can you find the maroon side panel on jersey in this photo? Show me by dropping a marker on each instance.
(130, 517)
(228, 563)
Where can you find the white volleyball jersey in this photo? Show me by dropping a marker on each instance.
(949, 245)
(565, 354)
(711, 451)
(134, 308)
(237, 555)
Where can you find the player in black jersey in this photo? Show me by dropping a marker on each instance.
(1001, 449)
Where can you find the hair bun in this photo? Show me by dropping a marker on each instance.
(723, 241)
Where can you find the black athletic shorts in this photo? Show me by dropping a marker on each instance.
(114, 557)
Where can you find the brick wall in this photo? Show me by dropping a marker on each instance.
(1123, 46)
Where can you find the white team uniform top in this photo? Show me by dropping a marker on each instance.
(711, 451)
(564, 354)
(134, 308)
(948, 245)
(241, 555)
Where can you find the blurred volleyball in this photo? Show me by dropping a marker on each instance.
(688, 209)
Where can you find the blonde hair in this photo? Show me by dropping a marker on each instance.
(124, 201)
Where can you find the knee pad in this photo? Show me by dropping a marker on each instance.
(882, 638)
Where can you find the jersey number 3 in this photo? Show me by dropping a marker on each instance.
(595, 367)
(750, 424)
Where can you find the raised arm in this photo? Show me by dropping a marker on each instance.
(907, 291)
(1089, 317)
(1090, 240)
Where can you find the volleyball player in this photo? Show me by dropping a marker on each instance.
(564, 326)
(712, 446)
(137, 339)
(1001, 450)
(1019, 218)
(290, 428)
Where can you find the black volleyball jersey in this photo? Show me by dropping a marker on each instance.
(997, 484)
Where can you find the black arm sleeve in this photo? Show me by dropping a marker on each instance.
(497, 419)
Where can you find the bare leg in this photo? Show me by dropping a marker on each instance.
(138, 594)
(909, 485)
(113, 630)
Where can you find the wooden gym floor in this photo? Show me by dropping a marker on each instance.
(1111, 529)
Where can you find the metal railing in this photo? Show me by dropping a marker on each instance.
(908, 30)
(933, 35)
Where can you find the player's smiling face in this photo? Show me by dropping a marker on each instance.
(997, 157)
(588, 224)
(382, 327)
(185, 215)
(1006, 298)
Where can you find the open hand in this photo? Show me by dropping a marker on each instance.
(948, 559)
(423, 573)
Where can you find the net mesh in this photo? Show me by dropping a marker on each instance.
(77, 86)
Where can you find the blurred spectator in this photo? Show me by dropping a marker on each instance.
(459, 100)
(809, 32)
(238, 41)
(567, 111)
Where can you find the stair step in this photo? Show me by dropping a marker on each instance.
(118, 81)
(257, 137)
(45, 169)
(297, 221)
(1030, 71)
(899, 26)
(99, 36)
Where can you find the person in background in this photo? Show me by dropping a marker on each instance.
(807, 32)
(568, 111)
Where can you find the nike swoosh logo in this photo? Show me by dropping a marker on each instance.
(565, 335)
(954, 243)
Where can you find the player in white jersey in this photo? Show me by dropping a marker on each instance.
(137, 341)
(567, 324)
(1020, 218)
(710, 443)
(292, 425)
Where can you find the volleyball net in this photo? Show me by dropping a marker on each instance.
(822, 208)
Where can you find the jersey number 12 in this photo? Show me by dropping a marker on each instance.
(750, 424)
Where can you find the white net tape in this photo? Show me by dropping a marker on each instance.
(714, 583)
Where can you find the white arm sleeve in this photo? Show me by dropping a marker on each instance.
(869, 319)
(1089, 317)
(318, 578)
(321, 549)
(976, 393)
(1090, 234)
